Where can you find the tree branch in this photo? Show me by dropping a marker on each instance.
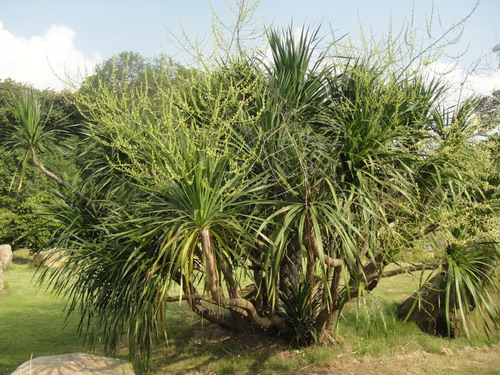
(402, 270)
(235, 304)
(409, 269)
(57, 179)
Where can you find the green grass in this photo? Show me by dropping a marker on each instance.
(32, 324)
(210, 350)
(372, 330)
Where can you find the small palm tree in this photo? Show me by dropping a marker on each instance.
(32, 135)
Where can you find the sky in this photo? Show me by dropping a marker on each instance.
(43, 40)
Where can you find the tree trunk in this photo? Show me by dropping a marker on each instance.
(211, 274)
(56, 178)
(327, 317)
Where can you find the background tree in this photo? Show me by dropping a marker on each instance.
(489, 108)
(21, 221)
(128, 70)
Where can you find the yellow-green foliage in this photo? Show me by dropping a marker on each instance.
(306, 176)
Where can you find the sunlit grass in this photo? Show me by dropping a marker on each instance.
(31, 321)
(372, 330)
(32, 324)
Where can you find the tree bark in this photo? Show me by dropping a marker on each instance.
(311, 256)
(56, 178)
(326, 317)
(235, 303)
(211, 274)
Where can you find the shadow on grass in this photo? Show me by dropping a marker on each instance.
(193, 349)
(20, 259)
(206, 349)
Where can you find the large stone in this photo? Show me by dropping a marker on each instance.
(5, 255)
(75, 364)
(427, 308)
(50, 258)
(1, 279)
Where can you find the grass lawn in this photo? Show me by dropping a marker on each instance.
(32, 322)
(371, 340)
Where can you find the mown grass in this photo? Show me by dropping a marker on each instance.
(210, 350)
(368, 327)
(32, 324)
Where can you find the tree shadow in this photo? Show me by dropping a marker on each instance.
(20, 259)
(192, 349)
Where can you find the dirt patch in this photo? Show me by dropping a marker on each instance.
(483, 361)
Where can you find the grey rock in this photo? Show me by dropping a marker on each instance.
(50, 258)
(5, 255)
(75, 364)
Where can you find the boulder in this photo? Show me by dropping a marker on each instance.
(427, 308)
(50, 258)
(75, 364)
(5, 255)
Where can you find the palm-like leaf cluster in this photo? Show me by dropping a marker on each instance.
(302, 176)
(31, 133)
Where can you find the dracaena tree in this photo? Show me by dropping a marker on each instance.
(267, 194)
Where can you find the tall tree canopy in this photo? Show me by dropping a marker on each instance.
(129, 69)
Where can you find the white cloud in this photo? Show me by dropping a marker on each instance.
(464, 82)
(43, 60)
